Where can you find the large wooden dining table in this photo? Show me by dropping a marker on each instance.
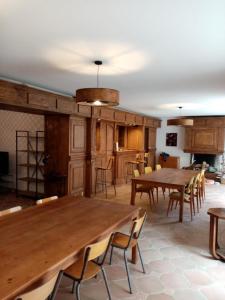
(165, 178)
(39, 241)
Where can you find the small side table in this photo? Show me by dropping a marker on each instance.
(214, 248)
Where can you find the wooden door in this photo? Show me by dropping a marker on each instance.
(77, 164)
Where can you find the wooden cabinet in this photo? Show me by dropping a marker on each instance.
(204, 140)
(171, 162)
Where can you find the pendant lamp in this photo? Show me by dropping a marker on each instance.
(180, 121)
(97, 96)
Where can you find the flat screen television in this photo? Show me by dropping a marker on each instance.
(4, 163)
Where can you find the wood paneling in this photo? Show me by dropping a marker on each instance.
(76, 176)
(152, 138)
(139, 120)
(119, 116)
(77, 135)
(107, 114)
(208, 140)
(43, 100)
(15, 93)
(65, 105)
(71, 131)
(84, 110)
(57, 149)
(204, 139)
(130, 118)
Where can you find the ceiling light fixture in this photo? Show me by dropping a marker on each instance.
(180, 121)
(97, 96)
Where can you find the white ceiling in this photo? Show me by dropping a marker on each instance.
(160, 54)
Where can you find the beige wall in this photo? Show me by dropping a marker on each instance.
(11, 121)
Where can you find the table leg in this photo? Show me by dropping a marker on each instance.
(213, 232)
(181, 205)
(133, 192)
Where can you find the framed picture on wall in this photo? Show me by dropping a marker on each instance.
(171, 139)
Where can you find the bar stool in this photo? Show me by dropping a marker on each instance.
(146, 157)
(101, 175)
(131, 166)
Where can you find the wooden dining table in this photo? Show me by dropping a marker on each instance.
(39, 241)
(165, 178)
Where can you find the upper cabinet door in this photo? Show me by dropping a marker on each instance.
(206, 139)
(77, 135)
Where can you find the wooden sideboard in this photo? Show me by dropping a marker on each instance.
(171, 162)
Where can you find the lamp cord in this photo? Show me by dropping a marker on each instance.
(98, 77)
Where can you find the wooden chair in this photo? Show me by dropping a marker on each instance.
(202, 184)
(124, 242)
(148, 170)
(102, 179)
(141, 188)
(175, 197)
(158, 167)
(10, 211)
(89, 265)
(46, 200)
(46, 291)
(131, 166)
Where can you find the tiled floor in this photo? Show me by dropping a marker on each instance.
(178, 264)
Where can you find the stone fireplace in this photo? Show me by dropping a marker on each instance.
(213, 160)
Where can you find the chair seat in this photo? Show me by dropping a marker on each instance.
(75, 270)
(102, 168)
(143, 188)
(121, 240)
(177, 196)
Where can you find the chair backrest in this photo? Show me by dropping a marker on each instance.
(158, 167)
(110, 163)
(190, 186)
(136, 173)
(148, 170)
(138, 224)
(146, 154)
(197, 180)
(94, 251)
(46, 200)
(43, 291)
(137, 227)
(202, 175)
(10, 210)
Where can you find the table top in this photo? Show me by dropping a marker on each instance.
(168, 177)
(43, 239)
(217, 212)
